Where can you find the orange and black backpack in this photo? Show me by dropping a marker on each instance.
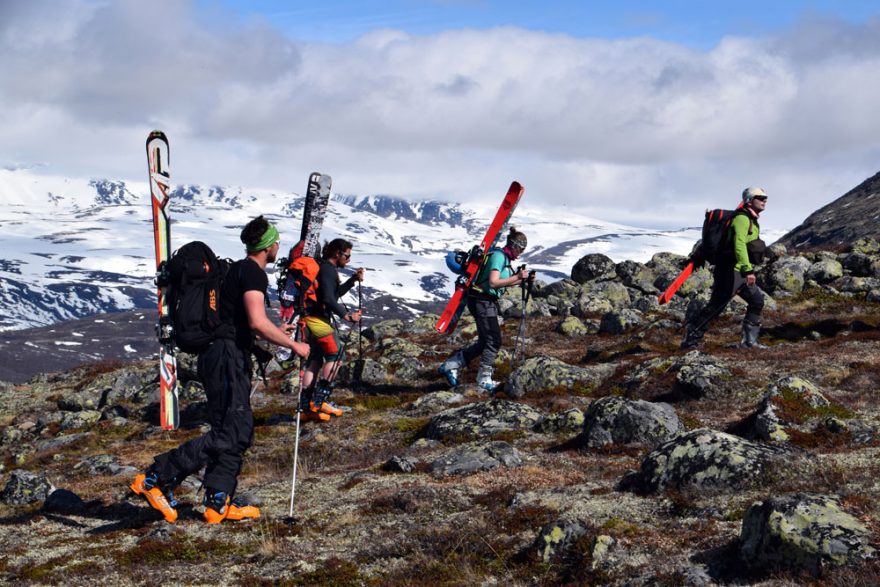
(297, 285)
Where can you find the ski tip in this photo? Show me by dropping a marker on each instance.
(156, 134)
(515, 186)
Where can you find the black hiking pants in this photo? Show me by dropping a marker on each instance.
(225, 373)
(727, 283)
(485, 313)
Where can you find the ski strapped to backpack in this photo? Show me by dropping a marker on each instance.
(296, 279)
(471, 263)
(713, 243)
(158, 160)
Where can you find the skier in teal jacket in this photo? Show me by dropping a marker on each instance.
(495, 275)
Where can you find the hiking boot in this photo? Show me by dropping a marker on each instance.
(451, 368)
(750, 336)
(313, 416)
(147, 486)
(330, 408)
(485, 381)
(692, 339)
(219, 507)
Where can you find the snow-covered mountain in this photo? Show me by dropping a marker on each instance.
(74, 247)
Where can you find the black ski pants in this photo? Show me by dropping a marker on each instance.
(225, 372)
(485, 313)
(727, 283)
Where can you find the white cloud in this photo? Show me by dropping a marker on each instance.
(636, 130)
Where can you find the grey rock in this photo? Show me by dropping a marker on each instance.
(637, 276)
(542, 373)
(384, 329)
(703, 459)
(434, 402)
(557, 537)
(24, 487)
(617, 420)
(787, 274)
(620, 321)
(825, 271)
(51, 444)
(398, 464)
(593, 266)
(571, 420)
(475, 457)
(572, 327)
(802, 532)
(83, 419)
(481, 420)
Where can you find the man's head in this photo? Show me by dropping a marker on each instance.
(756, 198)
(337, 251)
(261, 235)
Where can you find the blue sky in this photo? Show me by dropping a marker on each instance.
(635, 112)
(692, 23)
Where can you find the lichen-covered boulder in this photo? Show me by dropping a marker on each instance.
(477, 456)
(373, 373)
(435, 402)
(421, 324)
(557, 537)
(593, 266)
(572, 327)
(571, 420)
(612, 292)
(617, 420)
(825, 271)
(620, 321)
(803, 532)
(24, 487)
(83, 419)
(637, 276)
(481, 420)
(703, 459)
(787, 274)
(700, 375)
(383, 329)
(700, 280)
(541, 373)
(788, 403)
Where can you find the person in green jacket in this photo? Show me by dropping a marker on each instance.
(735, 275)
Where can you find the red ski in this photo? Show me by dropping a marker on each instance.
(452, 312)
(666, 296)
(160, 182)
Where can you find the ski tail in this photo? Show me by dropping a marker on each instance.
(158, 159)
(454, 308)
(666, 296)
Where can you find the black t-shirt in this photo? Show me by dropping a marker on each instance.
(244, 275)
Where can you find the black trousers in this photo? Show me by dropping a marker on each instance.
(727, 282)
(485, 313)
(225, 373)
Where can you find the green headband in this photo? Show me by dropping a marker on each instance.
(270, 237)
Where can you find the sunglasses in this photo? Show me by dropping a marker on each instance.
(762, 198)
(346, 255)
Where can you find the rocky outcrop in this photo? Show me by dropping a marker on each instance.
(25, 487)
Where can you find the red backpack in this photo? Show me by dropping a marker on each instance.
(297, 284)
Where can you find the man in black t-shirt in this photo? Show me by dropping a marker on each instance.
(327, 350)
(225, 370)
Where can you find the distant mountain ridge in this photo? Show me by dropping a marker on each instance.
(854, 215)
(71, 248)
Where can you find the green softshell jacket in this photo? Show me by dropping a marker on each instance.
(740, 236)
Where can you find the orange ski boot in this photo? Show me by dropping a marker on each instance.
(219, 507)
(146, 485)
